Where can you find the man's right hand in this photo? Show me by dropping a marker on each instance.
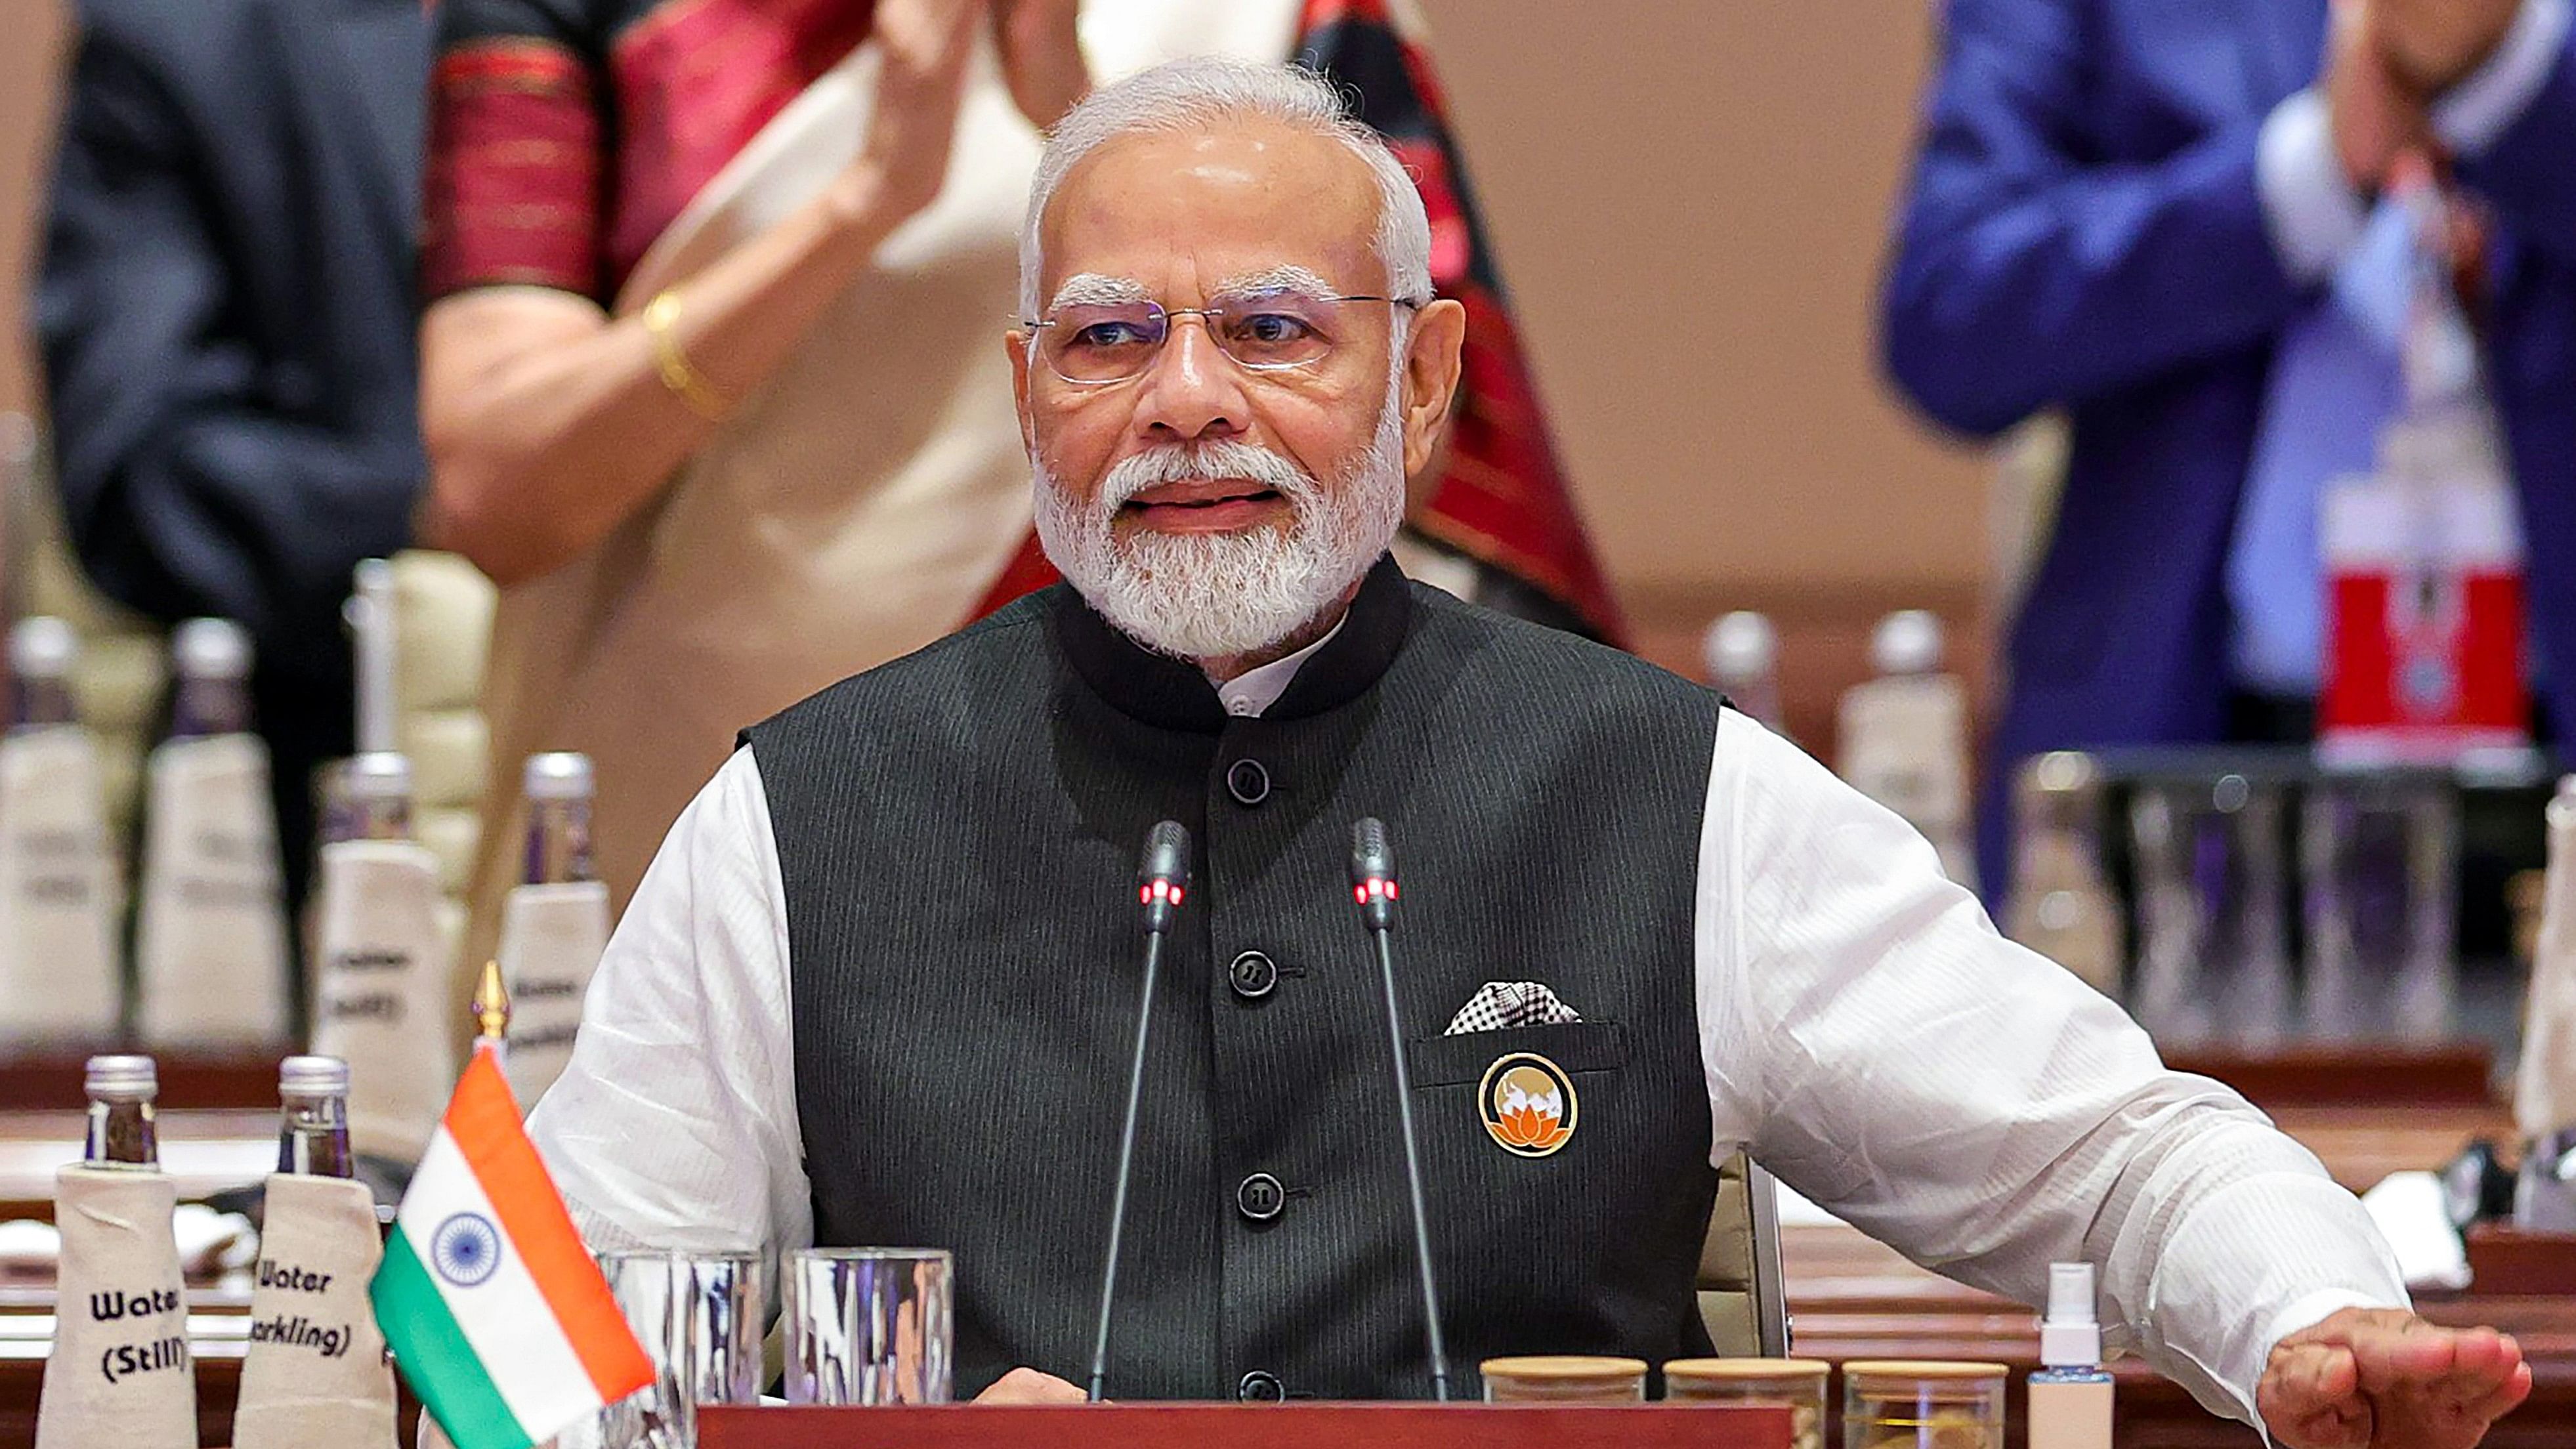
(1028, 1386)
(904, 160)
(2375, 115)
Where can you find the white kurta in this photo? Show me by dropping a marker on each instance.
(1864, 1032)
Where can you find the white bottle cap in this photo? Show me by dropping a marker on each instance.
(123, 1079)
(42, 647)
(378, 775)
(557, 775)
(1906, 642)
(2070, 1337)
(313, 1077)
(1741, 646)
(211, 649)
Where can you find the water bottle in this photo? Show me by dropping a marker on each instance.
(211, 660)
(1743, 655)
(558, 788)
(376, 802)
(42, 651)
(121, 1130)
(313, 1117)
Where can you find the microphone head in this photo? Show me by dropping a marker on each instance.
(1163, 877)
(1167, 854)
(1371, 857)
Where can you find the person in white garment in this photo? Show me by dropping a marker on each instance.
(870, 982)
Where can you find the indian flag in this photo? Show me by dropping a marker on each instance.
(495, 1312)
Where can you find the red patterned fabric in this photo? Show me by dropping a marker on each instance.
(513, 176)
(524, 183)
(1502, 498)
(695, 81)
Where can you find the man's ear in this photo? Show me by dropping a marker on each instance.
(1016, 343)
(1430, 378)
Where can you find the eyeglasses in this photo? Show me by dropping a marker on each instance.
(1092, 343)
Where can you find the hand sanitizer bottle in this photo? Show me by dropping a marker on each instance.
(2070, 1394)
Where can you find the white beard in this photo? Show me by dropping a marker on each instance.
(1218, 595)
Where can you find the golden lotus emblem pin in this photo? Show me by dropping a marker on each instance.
(1528, 1104)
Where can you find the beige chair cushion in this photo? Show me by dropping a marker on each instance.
(442, 632)
(449, 750)
(1727, 1301)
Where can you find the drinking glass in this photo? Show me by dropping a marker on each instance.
(2213, 934)
(870, 1326)
(700, 1317)
(2379, 854)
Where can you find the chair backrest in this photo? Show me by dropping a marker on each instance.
(1741, 1294)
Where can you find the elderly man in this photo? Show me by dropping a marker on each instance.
(878, 986)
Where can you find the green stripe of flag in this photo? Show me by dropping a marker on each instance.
(435, 1358)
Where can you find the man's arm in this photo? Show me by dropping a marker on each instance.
(2511, 120)
(2029, 274)
(674, 1125)
(1886, 1053)
(184, 492)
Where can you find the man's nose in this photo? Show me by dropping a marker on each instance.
(1192, 389)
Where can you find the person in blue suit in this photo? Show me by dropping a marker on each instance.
(2136, 211)
(226, 311)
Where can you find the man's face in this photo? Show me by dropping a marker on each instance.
(1202, 502)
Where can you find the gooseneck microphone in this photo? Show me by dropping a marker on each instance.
(1373, 888)
(1161, 880)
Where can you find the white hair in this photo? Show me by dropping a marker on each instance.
(1195, 93)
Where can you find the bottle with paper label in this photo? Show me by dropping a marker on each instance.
(383, 968)
(1905, 738)
(2062, 904)
(59, 975)
(210, 938)
(2424, 558)
(554, 925)
(315, 1375)
(1743, 656)
(2544, 1094)
(120, 1375)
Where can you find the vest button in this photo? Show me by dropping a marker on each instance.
(1260, 1197)
(1247, 782)
(1252, 975)
(1258, 1387)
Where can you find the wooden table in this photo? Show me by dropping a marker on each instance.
(1849, 1297)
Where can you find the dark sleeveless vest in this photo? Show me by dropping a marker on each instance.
(958, 833)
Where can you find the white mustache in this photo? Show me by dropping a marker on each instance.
(1209, 462)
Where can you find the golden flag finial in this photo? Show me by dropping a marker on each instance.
(491, 1004)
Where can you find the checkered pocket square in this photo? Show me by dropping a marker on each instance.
(1503, 1004)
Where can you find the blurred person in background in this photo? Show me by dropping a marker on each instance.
(226, 311)
(709, 378)
(2136, 212)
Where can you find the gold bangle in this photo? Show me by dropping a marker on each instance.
(679, 377)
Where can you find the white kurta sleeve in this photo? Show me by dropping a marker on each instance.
(674, 1126)
(1882, 1049)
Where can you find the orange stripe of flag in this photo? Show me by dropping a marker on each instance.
(484, 1120)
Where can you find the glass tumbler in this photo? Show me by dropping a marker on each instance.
(2213, 930)
(1923, 1404)
(870, 1326)
(1795, 1384)
(700, 1317)
(1564, 1378)
(2379, 857)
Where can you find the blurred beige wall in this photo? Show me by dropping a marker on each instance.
(1691, 211)
(30, 72)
